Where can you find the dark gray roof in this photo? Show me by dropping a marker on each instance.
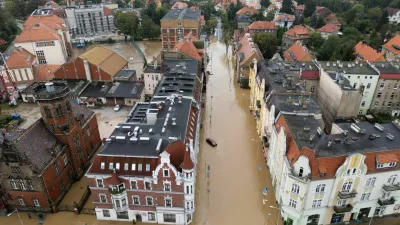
(80, 110)
(356, 142)
(180, 66)
(182, 14)
(348, 68)
(76, 86)
(126, 74)
(38, 143)
(126, 89)
(387, 67)
(176, 84)
(151, 69)
(243, 19)
(123, 145)
(294, 103)
(96, 89)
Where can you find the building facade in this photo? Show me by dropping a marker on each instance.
(296, 33)
(263, 27)
(393, 15)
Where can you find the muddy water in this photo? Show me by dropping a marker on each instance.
(231, 192)
(150, 48)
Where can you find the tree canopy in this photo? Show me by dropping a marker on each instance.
(267, 43)
(287, 6)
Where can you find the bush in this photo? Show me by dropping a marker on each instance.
(4, 120)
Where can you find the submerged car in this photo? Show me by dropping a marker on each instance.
(211, 142)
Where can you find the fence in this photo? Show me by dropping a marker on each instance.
(66, 208)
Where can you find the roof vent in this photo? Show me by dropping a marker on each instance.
(363, 131)
(345, 132)
(108, 140)
(174, 121)
(133, 139)
(126, 128)
(355, 128)
(307, 128)
(390, 136)
(151, 130)
(163, 130)
(379, 127)
(312, 137)
(329, 144)
(120, 138)
(144, 139)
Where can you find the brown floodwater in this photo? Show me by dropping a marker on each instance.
(231, 191)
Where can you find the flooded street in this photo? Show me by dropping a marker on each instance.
(232, 194)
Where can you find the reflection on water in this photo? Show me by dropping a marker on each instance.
(232, 191)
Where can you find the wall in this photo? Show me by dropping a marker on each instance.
(150, 82)
(21, 75)
(388, 94)
(53, 54)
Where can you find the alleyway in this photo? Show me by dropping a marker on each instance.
(232, 194)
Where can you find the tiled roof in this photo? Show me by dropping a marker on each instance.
(393, 45)
(329, 28)
(248, 49)
(188, 48)
(246, 10)
(300, 7)
(297, 52)
(263, 25)
(297, 30)
(179, 5)
(52, 21)
(107, 11)
(41, 28)
(20, 58)
(114, 179)
(253, 4)
(187, 163)
(272, 7)
(44, 72)
(392, 11)
(106, 59)
(365, 52)
(387, 158)
(177, 152)
(285, 17)
(2, 42)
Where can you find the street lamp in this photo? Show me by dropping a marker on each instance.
(279, 213)
(16, 210)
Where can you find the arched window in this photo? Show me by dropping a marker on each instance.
(392, 179)
(301, 171)
(347, 186)
(295, 188)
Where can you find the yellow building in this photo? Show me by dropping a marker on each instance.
(257, 92)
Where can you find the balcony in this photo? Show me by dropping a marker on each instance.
(391, 187)
(346, 195)
(118, 191)
(343, 209)
(383, 202)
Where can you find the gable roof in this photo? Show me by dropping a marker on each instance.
(247, 10)
(44, 72)
(365, 52)
(263, 25)
(297, 52)
(41, 28)
(187, 48)
(20, 58)
(297, 30)
(247, 50)
(106, 59)
(50, 5)
(285, 17)
(393, 45)
(392, 11)
(329, 28)
(253, 5)
(179, 5)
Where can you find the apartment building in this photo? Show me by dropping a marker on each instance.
(328, 30)
(352, 173)
(296, 33)
(391, 49)
(263, 27)
(90, 20)
(177, 24)
(393, 15)
(39, 164)
(246, 52)
(46, 37)
(387, 95)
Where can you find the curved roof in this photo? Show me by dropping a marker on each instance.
(177, 153)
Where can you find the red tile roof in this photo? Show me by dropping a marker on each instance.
(41, 28)
(329, 28)
(300, 7)
(179, 5)
(387, 158)
(263, 25)
(285, 17)
(391, 76)
(297, 52)
(114, 179)
(188, 48)
(247, 10)
(177, 153)
(20, 58)
(367, 53)
(309, 74)
(393, 45)
(253, 5)
(2, 42)
(107, 11)
(187, 163)
(248, 49)
(44, 72)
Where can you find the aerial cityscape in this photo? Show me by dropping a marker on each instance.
(203, 112)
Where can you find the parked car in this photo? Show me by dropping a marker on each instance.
(211, 142)
(117, 108)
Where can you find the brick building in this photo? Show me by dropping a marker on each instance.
(263, 27)
(177, 24)
(39, 164)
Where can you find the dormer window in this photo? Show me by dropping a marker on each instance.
(392, 164)
(301, 171)
(380, 165)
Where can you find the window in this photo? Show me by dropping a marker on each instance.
(77, 142)
(117, 203)
(29, 184)
(370, 182)
(365, 196)
(103, 198)
(123, 202)
(149, 200)
(191, 189)
(392, 179)
(147, 185)
(312, 89)
(382, 85)
(133, 166)
(395, 86)
(392, 96)
(301, 172)
(347, 186)
(111, 166)
(106, 213)
(99, 183)
(139, 167)
(52, 43)
(65, 160)
(383, 104)
(21, 201)
(117, 166)
(22, 184)
(37, 44)
(389, 104)
(40, 53)
(368, 85)
(147, 167)
(136, 200)
(56, 166)
(15, 169)
(317, 203)
(169, 218)
(151, 216)
(320, 188)
(156, 77)
(13, 184)
(362, 103)
(167, 187)
(166, 172)
(386, 194)
(379, 95)
(168, 202)
(126, 166)
(187, 189)
(42, 61)
(292, 203)
(102, 166)
(380, 165)
(295, 188)
(36, 202)
(354, 171)
(392, 164)
(342, 202)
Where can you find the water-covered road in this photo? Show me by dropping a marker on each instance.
(231, 191)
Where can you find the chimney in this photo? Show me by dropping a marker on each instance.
(50, 87)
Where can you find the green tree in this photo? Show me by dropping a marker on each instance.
(138, 4)
(267, 43)
(315, 41)
(120, 3)
(375, 14)
(328, 48)
(313, 20)
(9, 8)
(150, 29)
(270, 15)
(279, 34)
(320, 23)
(309, 8)
(19, 9)
(265, 3)
(32, 5)
(8, 29)
(127, 23)
(212, 24)
(375, 40)
(287, 6)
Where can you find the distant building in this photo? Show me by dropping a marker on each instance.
(243, 21)
(248, 11)
(254, 4)
(327, 30)
(179, 5)
(298, 53)
(296, 33)
(246, 52)
(365, 52)
(50, 5)
(391, 49)
(393, 15)
(178, 23)
(263, 27)
(327, 15)
(299, 10)
(284, 20)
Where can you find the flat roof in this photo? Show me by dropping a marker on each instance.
(281, 76)
(294, 102)
(304, 130)
(182, 14)
(96, 89)
(126, 74)
(361, 68)
(126, 89)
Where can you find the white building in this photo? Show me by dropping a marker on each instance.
(393, 15)
(324, 179)
(152, 75)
